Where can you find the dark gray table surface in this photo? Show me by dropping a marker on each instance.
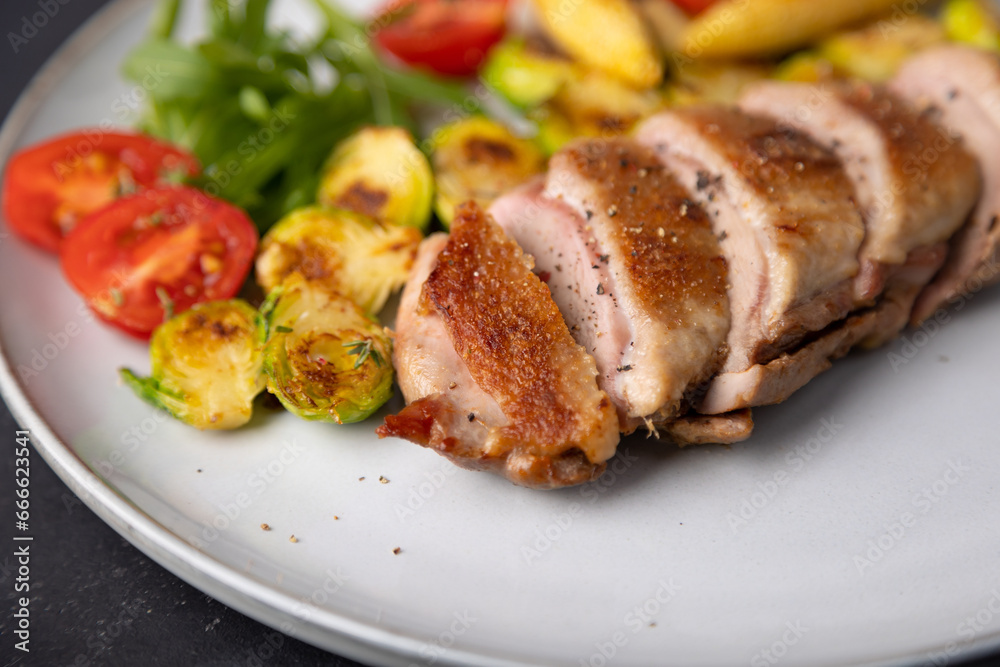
(95, 599)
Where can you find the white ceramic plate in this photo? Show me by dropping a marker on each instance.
(858, 526)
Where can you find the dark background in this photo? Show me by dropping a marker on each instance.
(95, 599)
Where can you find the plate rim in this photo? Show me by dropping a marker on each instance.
(328, 630)
(325, 629)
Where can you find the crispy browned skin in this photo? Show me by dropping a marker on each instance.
(558, 427)
(504, 324)
(669, 278)
(770, 158)
(786, 211)
(914, 181)
(665, 240)
(941, 180)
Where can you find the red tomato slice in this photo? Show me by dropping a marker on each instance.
(51, 186)
(164, 249)
(694, 6)
(448, 36)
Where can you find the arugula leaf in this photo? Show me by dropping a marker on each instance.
(258, 108)
(168, 70)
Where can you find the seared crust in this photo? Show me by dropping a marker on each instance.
(935, 181)
(509, 333)
(664, 241)
(785, 213)
(557, 428)
(802, 182)
(914, 181)
(440, 422)
(668, 276)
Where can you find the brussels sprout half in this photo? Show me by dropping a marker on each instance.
(525, 77)
(592, 105)
(348, 252)
(379, 172)
(206, 365)
(479, 159)
(324, 359)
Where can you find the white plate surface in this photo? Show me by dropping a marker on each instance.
(859, 525)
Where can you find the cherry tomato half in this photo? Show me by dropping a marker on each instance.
(448, 36)
(694, 6)
(162, 250)
(49, 187)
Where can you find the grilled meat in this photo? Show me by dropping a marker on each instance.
(635, 268)
(717, 261)
(958, 87)
(511, 391)
(790, 231)
(911, 202)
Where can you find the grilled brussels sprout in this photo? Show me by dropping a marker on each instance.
(592, 105)
(348, 252)
(971, 22)
(479, 159)
(606, 34)
(206, 365)
(874, 53)
(523, 76)
(324, 359)
(379, 172)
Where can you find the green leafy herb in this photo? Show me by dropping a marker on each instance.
(262, 111)
(363, 349)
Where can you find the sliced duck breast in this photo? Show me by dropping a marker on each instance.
(491, 375)
(636, 269)
(959, 87)
(914, 181)
(790, 231)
